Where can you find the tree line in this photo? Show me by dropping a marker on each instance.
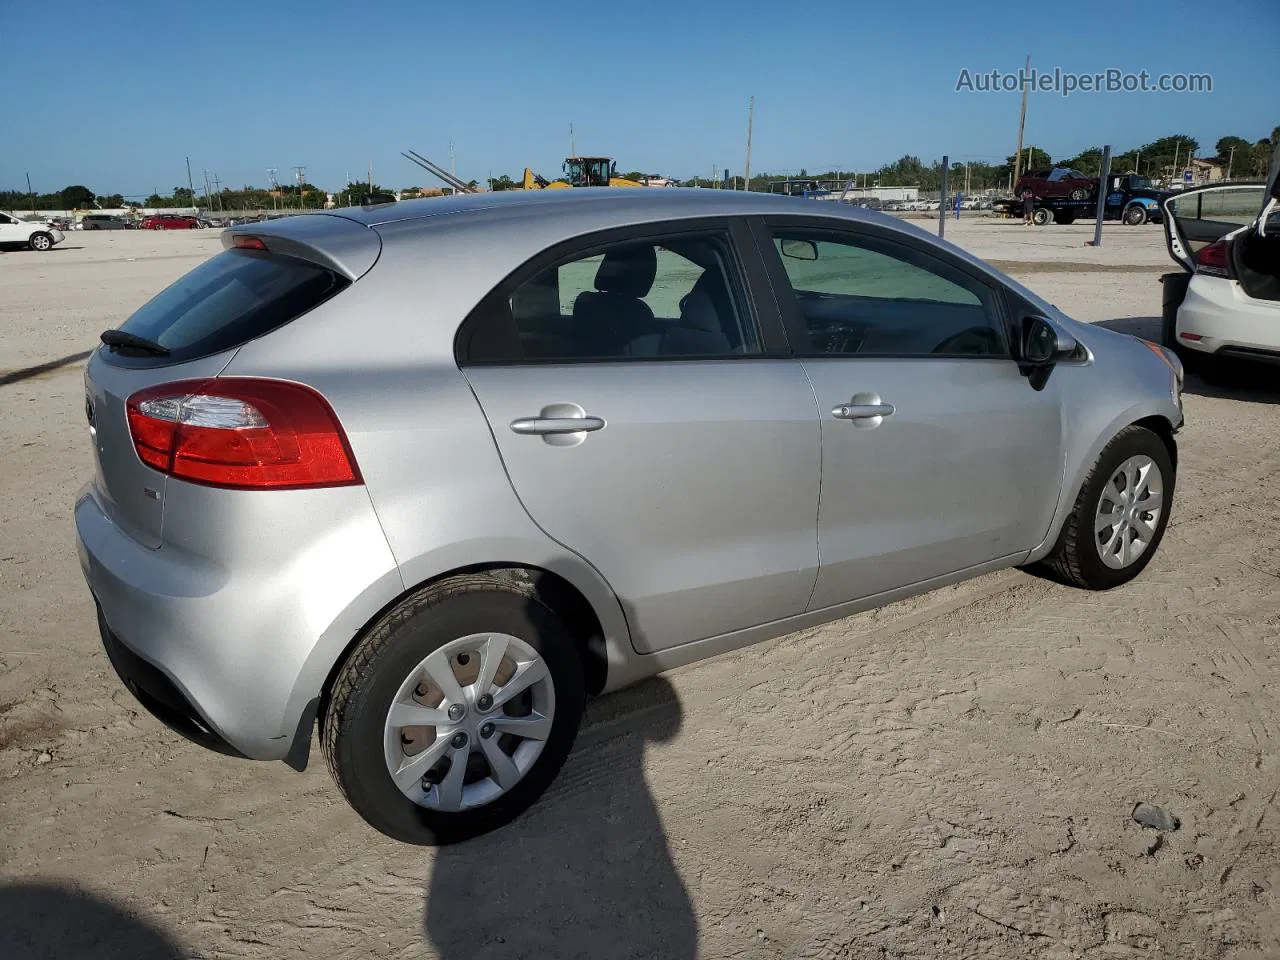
(1165, 157)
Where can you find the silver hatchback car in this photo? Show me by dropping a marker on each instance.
(428, 474)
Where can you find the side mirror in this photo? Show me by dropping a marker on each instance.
(799, 249)
(1043, 344)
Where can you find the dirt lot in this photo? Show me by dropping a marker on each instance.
(947, 777)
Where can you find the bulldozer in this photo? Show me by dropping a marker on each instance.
(578, 172)
(581, 172)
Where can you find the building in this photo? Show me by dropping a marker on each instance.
(877, 193)
(1206, 170)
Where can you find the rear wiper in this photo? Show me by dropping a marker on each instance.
(131, 341)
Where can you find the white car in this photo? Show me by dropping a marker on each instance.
(1226, 303)
(35, 234)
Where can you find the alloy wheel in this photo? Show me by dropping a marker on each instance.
(469, 722)
(1128, 512)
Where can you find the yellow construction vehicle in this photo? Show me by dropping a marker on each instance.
(580, 172)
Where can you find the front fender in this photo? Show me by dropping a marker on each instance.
(1084, 455)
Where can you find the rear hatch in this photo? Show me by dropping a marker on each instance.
(265, 277)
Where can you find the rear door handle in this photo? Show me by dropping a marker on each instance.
(550, 426)
(862, 411)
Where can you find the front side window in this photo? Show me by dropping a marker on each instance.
(662, 298)
(872, 297)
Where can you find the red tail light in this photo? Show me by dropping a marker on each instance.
(1213, 259)
(243, 433)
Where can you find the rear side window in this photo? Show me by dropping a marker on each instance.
(235, 297)
(658, 298)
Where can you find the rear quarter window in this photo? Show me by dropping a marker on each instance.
(235, 297)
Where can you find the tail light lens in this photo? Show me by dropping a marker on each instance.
(242, 433)
(1213, 259)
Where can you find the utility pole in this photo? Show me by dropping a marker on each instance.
(191, 187)
(751, 115)
(1022, 122)
(715, 177)
(1230, 160)
(1174, 172)
(32, 192)
(208, 199)
(942, 197)
(300, 174)
(573, 149)
(371, 175)
(1103, 173)
(216, 184)
(453, 167)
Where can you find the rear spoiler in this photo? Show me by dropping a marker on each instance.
(336, 242)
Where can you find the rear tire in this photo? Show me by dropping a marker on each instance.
(1135, 215)
(1082, 556)
(1041, 216)
(41, 242)
(358, 739)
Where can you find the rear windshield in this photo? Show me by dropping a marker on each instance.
(227, 301)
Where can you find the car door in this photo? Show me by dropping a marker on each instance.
(938, 455)
(650, 423)
(1193, 219)
(11, 230)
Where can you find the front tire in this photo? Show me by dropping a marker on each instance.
(456, 711)
(1119, 516)
(41, 242)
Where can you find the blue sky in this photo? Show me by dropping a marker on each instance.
(116, 94)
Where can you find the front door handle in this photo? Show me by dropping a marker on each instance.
(549, 426)
(862, 411)
(866, 410)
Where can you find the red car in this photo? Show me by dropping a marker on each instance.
(1058, 182)
(169, 221)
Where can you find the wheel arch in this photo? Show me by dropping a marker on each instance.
(1162, 428)
(589, 625)
(1156, 421)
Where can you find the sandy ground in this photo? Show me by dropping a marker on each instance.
(951, 776)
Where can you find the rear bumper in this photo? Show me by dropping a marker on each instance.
(233, 653)
(159, 694)
(1227, 321)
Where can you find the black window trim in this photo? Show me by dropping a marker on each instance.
(746, 260)
(792, 316)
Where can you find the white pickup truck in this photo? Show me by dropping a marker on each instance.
(34, 234)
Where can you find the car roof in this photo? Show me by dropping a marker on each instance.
(489, 234)
(627, 203)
